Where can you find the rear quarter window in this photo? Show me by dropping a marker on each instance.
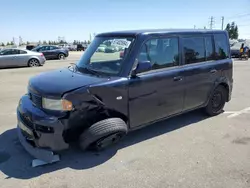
(221, 46)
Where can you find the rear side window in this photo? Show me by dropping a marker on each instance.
(194, 50)
(53, 48)
(221, 46)
(22, 52)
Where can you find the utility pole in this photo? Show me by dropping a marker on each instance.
(222, 23)
(211, 22)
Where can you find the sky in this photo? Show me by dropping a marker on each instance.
(77, 19)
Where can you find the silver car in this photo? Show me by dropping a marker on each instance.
(13, 57)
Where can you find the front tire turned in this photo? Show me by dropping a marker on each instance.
(103, 134)
(217, 101)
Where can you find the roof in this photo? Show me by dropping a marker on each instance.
(157, 31)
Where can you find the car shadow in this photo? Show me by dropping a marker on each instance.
(15, 162)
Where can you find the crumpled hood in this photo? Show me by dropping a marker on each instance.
(56, 83)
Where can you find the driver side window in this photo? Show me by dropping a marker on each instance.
(161, 53)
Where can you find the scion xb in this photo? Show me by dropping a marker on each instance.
(104, 96)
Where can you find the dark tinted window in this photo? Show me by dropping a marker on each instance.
(221, 46)
(209, 48)
(10, 52)
(161, 53)
(22, 52)
(41, 49)
(53, 48)
(5, 52)
(194, 50)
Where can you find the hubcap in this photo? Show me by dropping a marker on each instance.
(217, 101)
(61, 56)
(112, 139)
(34, 63)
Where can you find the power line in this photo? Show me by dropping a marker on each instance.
(239, 15)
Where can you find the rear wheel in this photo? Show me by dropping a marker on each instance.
(103, 134)
(61, 56)
(33, 63)
(217, 101)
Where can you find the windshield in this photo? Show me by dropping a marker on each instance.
(105, 55)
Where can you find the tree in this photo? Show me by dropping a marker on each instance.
(88, 41)
(228, 27)
(8, 44)
(236, 32)
(232, 30)
(11, 43)
(27, 43)
(2, 44)
(45, 42)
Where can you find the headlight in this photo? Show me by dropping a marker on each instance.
(55, 104)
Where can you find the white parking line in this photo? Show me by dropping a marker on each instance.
(244, 111)
(230, 112)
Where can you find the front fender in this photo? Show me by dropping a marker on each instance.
(94, 104)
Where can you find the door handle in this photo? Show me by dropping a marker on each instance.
(178, 78)
(213, 71)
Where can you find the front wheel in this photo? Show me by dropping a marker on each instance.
(103, 134)
(217, 101)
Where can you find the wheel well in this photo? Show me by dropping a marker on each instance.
(61, 53)
(226, 88)
(115, 114)
(73, 134)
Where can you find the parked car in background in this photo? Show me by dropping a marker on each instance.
(235, 49)
(72, 47)
(30, 47)
(52, 52)
(81, 47)
(18, 58)
(111, 49)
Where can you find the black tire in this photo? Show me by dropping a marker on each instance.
(217, 101)
(33, 63)
(61, 56)
(99, 133)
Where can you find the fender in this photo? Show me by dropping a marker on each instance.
(95, 103)
(224, 82)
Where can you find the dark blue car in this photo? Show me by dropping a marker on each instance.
(52, 52)
(96, 102)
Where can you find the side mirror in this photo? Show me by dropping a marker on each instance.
(141, 66)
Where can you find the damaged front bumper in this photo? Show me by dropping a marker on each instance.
(40, 134)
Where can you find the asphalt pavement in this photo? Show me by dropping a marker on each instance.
(186, 151)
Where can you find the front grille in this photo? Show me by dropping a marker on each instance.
(26, 121)
(36, 100)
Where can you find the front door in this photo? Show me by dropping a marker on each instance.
(8, 58)
(159, 92)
